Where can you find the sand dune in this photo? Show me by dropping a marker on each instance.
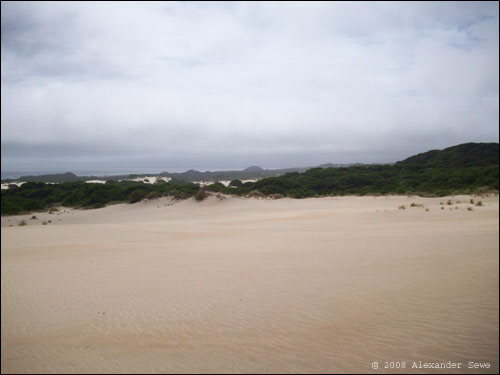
(246, 285)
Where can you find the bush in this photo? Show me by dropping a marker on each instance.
(256, 194)
(22, 223)
(236, 183)
(201, 195)
(137, 195)
(216, 187)
(153, 195)
(276, 196)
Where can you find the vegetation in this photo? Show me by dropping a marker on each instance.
(461, 156)
(200, 195)
(236, 183)
(469, 168)
(191, 175)
(37, 196)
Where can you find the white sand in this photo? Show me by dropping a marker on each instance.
(151, 180)
(223, 182)
(245, 285)
(6, 186)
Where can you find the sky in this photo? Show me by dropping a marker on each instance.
(171, 86)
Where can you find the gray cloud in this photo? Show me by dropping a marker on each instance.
(236, 84)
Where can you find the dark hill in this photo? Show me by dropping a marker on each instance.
(464, 155)
(58, 177)
(253, 169)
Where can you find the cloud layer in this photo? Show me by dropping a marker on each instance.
(227, 85)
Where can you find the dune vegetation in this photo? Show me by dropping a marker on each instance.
(464, 169)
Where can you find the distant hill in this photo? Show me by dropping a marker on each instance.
(57, 177)
(253, 172)
(250, 173)
(336, 165)
(464, 155)
(254, 169)
(460, 156)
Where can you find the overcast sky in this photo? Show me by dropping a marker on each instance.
(172, 86)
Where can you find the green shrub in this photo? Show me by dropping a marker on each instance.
(236, 183)
(216, 187)
(153, 195)
(201, 195)
(276, 196)
(256, 194)
(137, 195)
(22, 223)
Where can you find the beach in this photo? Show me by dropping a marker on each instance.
(322, 285)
